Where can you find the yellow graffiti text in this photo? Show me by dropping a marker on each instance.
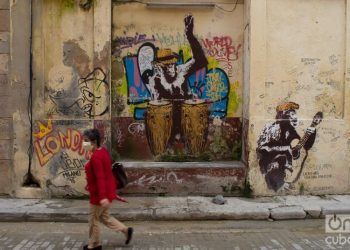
(51, 145)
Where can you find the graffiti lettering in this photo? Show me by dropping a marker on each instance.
(129, 41)
(52, 144)
(316, 175)
(70, 164)
(144, 180)
(71, 175)
(171, 40)
(310, 61)
(215, 86)
(71, 168)
(136, 128)
(222, 48)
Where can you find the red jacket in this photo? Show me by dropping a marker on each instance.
(100, 180)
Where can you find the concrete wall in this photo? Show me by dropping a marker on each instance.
(299, 53)
(6, 134)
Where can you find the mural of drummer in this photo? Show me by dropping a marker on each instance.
(275, 151)
(167, 80)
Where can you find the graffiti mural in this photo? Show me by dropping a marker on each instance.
(280, 147)
(173, 83)
(75, 90)
(181, 95)
(58, 149)
(49, 142)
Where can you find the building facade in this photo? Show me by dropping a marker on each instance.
(224, 97)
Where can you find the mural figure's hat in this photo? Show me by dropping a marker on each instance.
(287, 106)
(166, 56)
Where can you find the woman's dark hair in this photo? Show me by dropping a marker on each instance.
(93, 135)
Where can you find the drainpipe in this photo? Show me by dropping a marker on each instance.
(29, 180)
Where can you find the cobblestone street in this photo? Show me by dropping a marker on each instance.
(296, 234)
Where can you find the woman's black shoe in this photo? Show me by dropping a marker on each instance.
(95, 248)
(129, 235)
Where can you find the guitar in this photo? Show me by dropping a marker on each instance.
(298, 150)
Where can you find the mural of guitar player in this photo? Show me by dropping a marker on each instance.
(277, 150)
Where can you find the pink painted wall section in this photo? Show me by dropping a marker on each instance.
(177, 179)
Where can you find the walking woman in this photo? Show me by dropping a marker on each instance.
(102, 188)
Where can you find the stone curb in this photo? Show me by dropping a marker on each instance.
(280, 213)
(177, 208)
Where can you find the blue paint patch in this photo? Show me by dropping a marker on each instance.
(137, 91)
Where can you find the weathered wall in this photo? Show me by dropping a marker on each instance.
(71, 72)
(299, 53)
(6, 134)
(199, 118)
(246, 81)
(292, 62)
(70, 89)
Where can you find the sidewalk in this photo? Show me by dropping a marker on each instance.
(179, 208)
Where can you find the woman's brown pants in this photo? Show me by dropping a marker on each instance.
(97, 214)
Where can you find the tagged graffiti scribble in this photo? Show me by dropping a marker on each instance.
(145, 180)
(71, 167)
(136, 128)
(215, 86)
(223, 50)
(120, 43)
(276, 151)
(167, 40)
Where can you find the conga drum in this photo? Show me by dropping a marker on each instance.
(158, 125)
(194, 124)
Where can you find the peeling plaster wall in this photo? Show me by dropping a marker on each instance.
(211, 129)
(299, 53)
(71, 85)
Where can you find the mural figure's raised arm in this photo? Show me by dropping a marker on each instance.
(198, 60)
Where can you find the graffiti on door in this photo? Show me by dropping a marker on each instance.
(177, 93)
